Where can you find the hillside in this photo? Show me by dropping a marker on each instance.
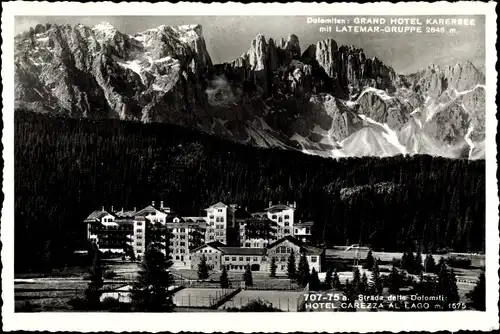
(66, 168)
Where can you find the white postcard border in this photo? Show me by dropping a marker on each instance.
(249, 322)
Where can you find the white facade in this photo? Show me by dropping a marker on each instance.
(302, 231)
(147, 215)
(283, 215)
(217, 219)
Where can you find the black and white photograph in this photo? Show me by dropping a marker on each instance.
(231, 164)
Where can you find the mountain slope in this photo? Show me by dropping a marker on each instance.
(274, 95)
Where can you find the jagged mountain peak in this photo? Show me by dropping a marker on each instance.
(330, 100)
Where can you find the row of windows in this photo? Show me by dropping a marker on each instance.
(107, 220)
(283, 250)
(308, 231)
(247, 259)
(255, 244)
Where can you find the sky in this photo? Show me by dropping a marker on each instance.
(227, 37)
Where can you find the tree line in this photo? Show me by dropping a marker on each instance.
(66, 168)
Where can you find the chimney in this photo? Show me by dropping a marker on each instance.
(270, 203)
(152, 203)
(112, 208)
(102, 209)
(135, 208)
(161, 204)
(122, 208)
(294, 204)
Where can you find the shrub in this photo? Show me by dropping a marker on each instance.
(109, 303)
(255, 305)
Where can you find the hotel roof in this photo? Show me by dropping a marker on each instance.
(218, 205)
(96, 215)
(242, 251)
(278, 207)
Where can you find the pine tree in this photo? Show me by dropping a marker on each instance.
(447, 284)
(404, 261)
(429, 264)
(224, 281)
(369, 260)
(394, 281)
(92, 294)
(303, 271)
(418, 262)
(150, 290)
(335, 280)
(291, 269)
(314, 280)
(363, 286)
(328, 277)
(203, 268)
(377, 281)
(273, 267)
(247, 276)
(478, 294)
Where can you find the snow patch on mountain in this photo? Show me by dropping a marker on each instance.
(389, 134)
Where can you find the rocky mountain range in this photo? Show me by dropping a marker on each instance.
(328, 100)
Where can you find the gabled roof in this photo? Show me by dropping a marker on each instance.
(170, 219)
(213, 244)
(289, 238)
(303, 247)
(218, 205)
(279, 207)
(242, 251)
(152, 208)
(125, 214)
(96, 216)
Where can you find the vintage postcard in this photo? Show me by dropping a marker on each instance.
(249, 168)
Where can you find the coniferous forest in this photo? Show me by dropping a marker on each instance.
(67, 168)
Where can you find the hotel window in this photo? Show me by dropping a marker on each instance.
(280, 220)
(183, 230)
(183, 251)
(139, 244)
(283, 259)
(273, 217)
(314, 259)
(287, 231)
(211, 216)
(139, 223)
(296, 230)
(287, 224)
(287, 217)
(248, 244)
(248, 259)
(255, 259)
(233, 258)
(139, 237)
(177, 257)
(219, 210)
(227, 258)
(241, 258)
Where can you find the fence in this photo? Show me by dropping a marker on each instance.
(197, 299)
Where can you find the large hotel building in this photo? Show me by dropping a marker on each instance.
(227, 235)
